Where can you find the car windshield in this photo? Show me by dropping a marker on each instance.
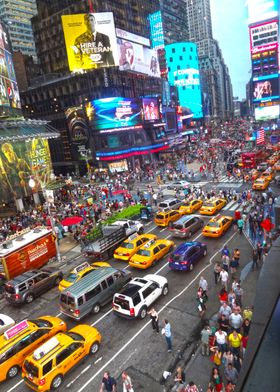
(31, 369)
(41, 323)
(159, 216)
(208, 204)
(71, 278)
(127, 245)
(75, 336)
(213, 224)
(176, 257)
(177, 226)
(144, 252)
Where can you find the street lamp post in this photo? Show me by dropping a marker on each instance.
(32, 185)
(86, 153)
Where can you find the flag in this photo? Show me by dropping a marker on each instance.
(260, 137)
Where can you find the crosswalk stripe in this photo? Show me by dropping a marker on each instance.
(229, 205)
(234, 207)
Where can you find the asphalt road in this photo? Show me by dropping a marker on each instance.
(127, 341)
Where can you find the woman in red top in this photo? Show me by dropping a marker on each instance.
(223, 296)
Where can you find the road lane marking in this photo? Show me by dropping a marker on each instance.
(15, 386)
(146, 324)
(151, 229)
(163, 229)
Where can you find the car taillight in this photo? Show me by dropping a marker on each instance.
(132, 312)
(17, 296)
(126, 254)
(143, 263)
(77, 312)
(184, 262)
(42, 381)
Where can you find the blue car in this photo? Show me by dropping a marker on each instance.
(186, 255)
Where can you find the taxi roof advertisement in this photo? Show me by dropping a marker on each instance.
(90, 40)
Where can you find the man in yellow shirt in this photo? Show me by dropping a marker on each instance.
(235, 340)
(248, 313)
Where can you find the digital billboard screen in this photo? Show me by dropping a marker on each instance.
(18, 162)
(90, 40)
(150, 109)
(266, 89)
(9, 93)
(264, 36)
(115, 113)
(156, 30)
(259, 10)
(77, 125)
(267, 113)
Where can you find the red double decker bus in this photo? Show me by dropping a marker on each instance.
(250, 160)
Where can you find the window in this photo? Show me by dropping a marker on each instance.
(148, 291)
(184, 49)
(47, 367)
(92, 293)
(104, 285)
(136, 299)
(38, 334)
(110, 281)
(190, 57)
(30, 283)
(161, 246)
(62, 356)
(156, 250)
(40, 277)
(191, 49)
(80, 301)
(173, 50)
(139, 243)
(181, 58)
(117, 275)
(22, 287)
(171, 59)
(191, 252)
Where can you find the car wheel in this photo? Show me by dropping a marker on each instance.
(165, 290)
(94, 348)
(191, 266)
(153, 263)
(190, 234)
(57, 280)
(29, 298)
(205, 252)
(13, 371)
(141, 231)
(143, 313)
(56, 382)
(96, 309)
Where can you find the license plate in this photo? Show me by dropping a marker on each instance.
(115, 307)
(136, 262)
(177, 263)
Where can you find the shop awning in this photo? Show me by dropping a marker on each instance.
(21, 129)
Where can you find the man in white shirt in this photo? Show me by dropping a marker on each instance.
(224, 278)
(203, 284)
(221, 340)
(226, 310)
(235, 321)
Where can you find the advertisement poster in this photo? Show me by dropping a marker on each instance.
(267, 113)
(266, 89)
(90, 40)
(77, 125)
(116, 113)
(119, 166)
(18, 162)
(150, 109)
(131, 56)
(9, 93)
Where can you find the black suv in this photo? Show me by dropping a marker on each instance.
(31, 284)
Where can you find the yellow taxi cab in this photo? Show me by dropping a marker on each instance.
(260, 184)
(22, 339)
(45, 369)
(191, 206)
(217, 226)
(269, 175)
(164, 218)
(79, 272)
(150, 253)
(212, 206)
(277, 166)
(130, 246)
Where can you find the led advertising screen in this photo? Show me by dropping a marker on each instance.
(266, 89)
(90, 40)
(267, 113)
(115, 113)
(156, 30)
(259, 10)
(9, 93)
(150, 109)
(137, 58)
(77, 125)
(185, 77)
(264, 37)
(18, 162)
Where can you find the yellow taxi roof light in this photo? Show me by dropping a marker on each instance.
(81, 267)
(46, 348)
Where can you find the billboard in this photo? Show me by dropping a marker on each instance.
(77, 125)
(261, 10)
(18, 162)
(266, 89)
(9, 93)
(267, 113)
(132, 37)
(137, 58)
(150, 109)
(263, 37)
(90, 40)
(156, 30)
(115, 113)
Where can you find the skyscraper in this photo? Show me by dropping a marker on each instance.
(174, 21)
(212, 66)
(17, 15)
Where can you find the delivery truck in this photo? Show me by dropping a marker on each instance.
(26, 250)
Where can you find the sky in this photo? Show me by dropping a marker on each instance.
(229, 23)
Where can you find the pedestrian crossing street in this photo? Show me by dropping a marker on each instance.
(231, 206)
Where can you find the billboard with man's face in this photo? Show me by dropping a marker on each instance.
(9, 93)
(90, 40)
(19, 162)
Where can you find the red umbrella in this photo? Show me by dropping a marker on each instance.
(267, 225)
(71, 220)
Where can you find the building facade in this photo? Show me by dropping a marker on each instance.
(17, 15)
(211, 60)
(57, 90)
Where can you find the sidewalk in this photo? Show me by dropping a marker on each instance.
(197, 367)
